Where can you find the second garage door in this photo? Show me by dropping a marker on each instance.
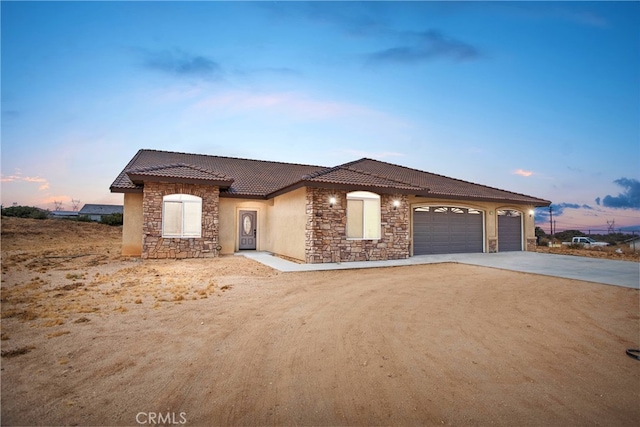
(509, 231)
(446, 230)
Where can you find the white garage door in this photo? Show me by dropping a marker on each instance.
(509, 231)
(447, 230)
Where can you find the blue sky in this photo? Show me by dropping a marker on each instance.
(537, 98)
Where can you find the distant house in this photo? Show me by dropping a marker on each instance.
(634, 243)
(96, 212)
(63, 214)
(179, 205)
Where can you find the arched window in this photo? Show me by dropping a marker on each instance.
(363, 215)
(181, 216)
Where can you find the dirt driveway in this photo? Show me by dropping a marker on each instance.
(92, 339)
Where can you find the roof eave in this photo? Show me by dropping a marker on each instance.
(347, 187)
(225, 194)
(534, 202)
(125, 190)
(140, 179)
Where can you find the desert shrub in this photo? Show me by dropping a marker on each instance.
(83, 218)
(25, 212)
(113, 219)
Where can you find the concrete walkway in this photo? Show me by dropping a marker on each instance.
(609, 272)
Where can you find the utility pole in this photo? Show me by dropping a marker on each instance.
(551, 222)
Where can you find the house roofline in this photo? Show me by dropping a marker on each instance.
(226, 195)
(383, 190)
(453, 179)
(340, 186)
(138, 178)
(540, 203)
(125, 190)
(380, 190)
(134, 181)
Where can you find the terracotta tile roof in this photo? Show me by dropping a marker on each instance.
(439, 185)
(252, 178)
(341, 175)
(263, 179)
(181, 171)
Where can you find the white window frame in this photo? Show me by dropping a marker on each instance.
(371, 224)
(188, 226)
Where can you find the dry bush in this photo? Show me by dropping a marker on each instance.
(54, 270)
(616, 252)
(17, 351)
(52, 322)
(58, 334)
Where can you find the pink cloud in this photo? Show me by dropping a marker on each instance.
(522, 172)
(286, 103)
(19, 178)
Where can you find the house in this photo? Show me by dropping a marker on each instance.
(179, 205)
(63, 214)
(634, 243)
(96, 212)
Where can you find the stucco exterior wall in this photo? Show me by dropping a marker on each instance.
(132, 225)
(229, 208)
(156, 246)
(287, 223)
(529, 227)
(326, 237)
(490, 219)
(280, 223)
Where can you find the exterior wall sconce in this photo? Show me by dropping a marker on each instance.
(332, 201)
(531, 212)
(396, 203)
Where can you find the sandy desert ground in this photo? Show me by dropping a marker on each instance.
(90, 338)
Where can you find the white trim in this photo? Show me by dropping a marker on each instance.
(365, 196)
(183, 200)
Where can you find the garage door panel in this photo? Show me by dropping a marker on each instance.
(441, 230)
(509, 231)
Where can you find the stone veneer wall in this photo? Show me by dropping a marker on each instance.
(155, 246)
(493, 246)
(326, 234)
(532, 245)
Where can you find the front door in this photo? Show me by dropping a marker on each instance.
(247, 230)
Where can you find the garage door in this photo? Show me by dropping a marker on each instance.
(447, 230)
(509, 231)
